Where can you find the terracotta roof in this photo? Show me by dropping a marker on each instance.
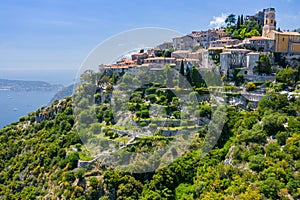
(181, 51)
(117, 67)
(287, 33)
(215, 48)
(140, 54)
(196, 34)
(236, 50)
(259, 38)
(187, 60)
(160, 58)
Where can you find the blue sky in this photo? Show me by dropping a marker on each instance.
(59, 34)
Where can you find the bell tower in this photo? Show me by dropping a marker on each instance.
(269, 22)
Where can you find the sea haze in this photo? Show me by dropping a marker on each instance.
(14, 104)
(53, 76)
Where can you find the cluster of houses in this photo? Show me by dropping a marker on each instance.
(213, 49)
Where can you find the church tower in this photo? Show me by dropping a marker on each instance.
(269, 22)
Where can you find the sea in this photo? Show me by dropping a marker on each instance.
(14, 104)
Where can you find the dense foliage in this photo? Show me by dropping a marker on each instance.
(240, 28)
(256, 157)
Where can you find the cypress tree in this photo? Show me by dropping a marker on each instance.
(181, 70)
(242, 19)
(181, 74)
(238, 26)
(188, 75)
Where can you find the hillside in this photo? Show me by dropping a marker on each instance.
(256, 156)
(62, 93)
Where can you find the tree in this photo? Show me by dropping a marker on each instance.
(243, 33)
(273, 123)
(282, 137)
(270, 187)
(263, 65)
(168, 72)
(238, 25)
(251, 86)
(188, 75)
(73, 159)
(184, 191)
(181, 70)
(257, 162)
(79, 173)
(239, 79)
(252, 33)
(145, 113)
(181, 75)
(167, 53)
(273, 101)
(287, 75)
(250, 194)
(242, 19)
(69, 176)
(114, 78)
(230, 19)
(197, 79)
(94, 183)
(251, 25)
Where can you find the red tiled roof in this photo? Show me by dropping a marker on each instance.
(258, 38)
(117, 67)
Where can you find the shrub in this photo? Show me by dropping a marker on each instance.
(69, 176)
(143, 124)
(250, 86)
(79, 173)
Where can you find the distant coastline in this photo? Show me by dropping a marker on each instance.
(19, 97)
(20, 85)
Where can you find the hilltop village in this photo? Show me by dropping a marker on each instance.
(252, 58)
(130, 133)
(248, 49)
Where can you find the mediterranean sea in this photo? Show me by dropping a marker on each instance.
(14, 104)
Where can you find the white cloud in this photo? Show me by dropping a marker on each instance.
(218, 21)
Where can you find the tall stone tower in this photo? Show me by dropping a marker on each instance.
(269, 22)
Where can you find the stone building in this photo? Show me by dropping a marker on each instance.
(269, 22)
(165, 45)
(258, 43)
(183, 43)
(287, 42)
(139, 57)
(231, 59)
(159, 62)
(258, 17)
(198, 39)
(226, 41)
